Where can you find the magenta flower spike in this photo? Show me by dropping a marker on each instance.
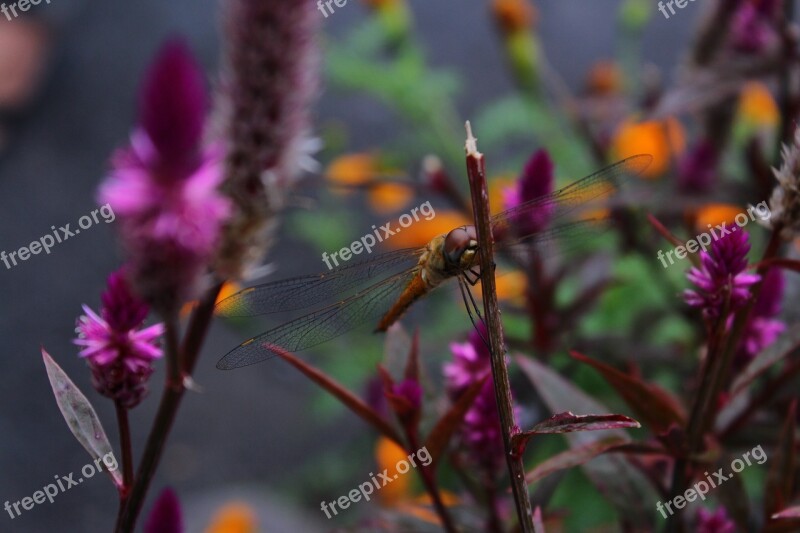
(163, 186)
(118, 352)
(536, 180)
(722, 269)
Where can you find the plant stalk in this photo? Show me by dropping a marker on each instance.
(476, 171)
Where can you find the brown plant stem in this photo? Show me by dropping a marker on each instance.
(429, 480)
(174, 388)
(715, 376)
(127, 453)
(476, 171)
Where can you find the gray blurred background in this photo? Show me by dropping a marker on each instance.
(243, 433)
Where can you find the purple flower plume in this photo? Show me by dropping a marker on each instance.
(118, 352)
(716, 522)
(481, 430)
(721, 271)
(762, 328)
(163, 186)
(536, 180)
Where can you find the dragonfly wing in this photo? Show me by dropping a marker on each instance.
(305, 291)
(575, 198)
(364, 307)
(559, 239)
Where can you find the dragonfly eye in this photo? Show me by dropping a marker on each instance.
(459, 241)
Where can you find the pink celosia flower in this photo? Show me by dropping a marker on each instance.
(536, 180)
(722, 271)
(163, 186)
(481, 430)
(119, 354)
(716, 522)
(697, 170)
(763, 328)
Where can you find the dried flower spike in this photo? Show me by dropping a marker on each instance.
(269, 80)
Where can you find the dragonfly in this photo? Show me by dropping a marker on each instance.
(384, 287)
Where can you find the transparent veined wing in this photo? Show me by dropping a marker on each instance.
(313, 290)
(364, 307)
(573, 200)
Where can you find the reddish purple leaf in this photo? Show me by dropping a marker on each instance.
(568, 422)
(573, 457)
(625, 486)
(447, 425)
(652, 404)
(350, 400)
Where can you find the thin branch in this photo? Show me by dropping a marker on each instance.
(170, 402)
(476, 172)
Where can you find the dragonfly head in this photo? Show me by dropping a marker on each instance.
(460, 247)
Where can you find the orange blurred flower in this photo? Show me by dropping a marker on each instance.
(715, 214)
(389, 197)
(511, 287)
(663, 139)
(422, 506)
(757, 106)
(235, 517)
(422, 231)
(229, 288)
(497, 192)
(352, 169)
(604, 78)
(387, 454)
(514, 15)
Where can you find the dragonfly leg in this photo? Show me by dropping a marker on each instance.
(470, 306)
(473, 281)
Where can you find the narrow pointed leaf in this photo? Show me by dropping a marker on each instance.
(573, 457)
(653, 405)
(79, 415)
(785, 344)
(350, 400)
(568, 422)
(789, 512)
(447, 425)
(625, 486)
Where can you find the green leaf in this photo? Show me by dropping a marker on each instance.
(79, 415)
